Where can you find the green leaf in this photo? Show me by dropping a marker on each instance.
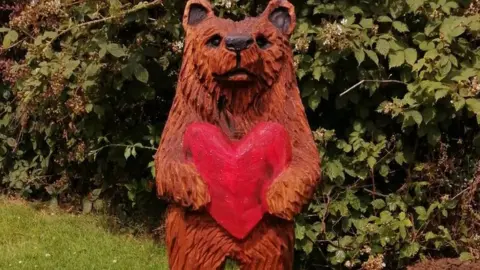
(411, 56)
(422, 213)
(308, 247)
(353, 200)
(313, 101)
(299, 232)
(339, 257)
(409, 250)
(115, 7)
(396, 59)
(384, 170)
(346, 241)
(466, 256)
(431, 26)
(371, 162)
(86, 84)
(88, 107)
(415, 4)
(384, 19)
(366, 23)
(400, 26)
(360, 56)
(440, 94)
(383, 47)
(115, 50)
(457, 31)
(11, 142)
(400, 158)
(473, 105)
(4, 29)
(311, 235)
(317, 73)
(474, 26)
(449, 6)
(386, 217)
(9, 38)
(378, 204)
(141, 73)
(72, 65)
(429, 236)
(415, 115)
(459, 104)
(328, 74)
(428, 114)
(372, 55)
(128, 152)
(92, 70)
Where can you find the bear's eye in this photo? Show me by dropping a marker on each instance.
(262, 42)
(214, 41)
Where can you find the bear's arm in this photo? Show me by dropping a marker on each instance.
(181, 183)
(294, 187)
(176, 179)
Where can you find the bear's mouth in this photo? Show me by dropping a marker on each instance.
(235, 75)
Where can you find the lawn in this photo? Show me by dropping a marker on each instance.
(43, 239)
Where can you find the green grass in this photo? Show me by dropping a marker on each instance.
(32, 239)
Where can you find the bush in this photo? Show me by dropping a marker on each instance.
(391, 90)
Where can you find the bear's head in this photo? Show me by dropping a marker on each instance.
(237, 60)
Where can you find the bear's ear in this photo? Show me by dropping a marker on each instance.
(281, 13)
(196, 11)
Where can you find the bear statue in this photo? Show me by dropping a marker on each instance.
(237, 158)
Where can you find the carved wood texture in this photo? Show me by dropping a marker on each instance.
(194, 240)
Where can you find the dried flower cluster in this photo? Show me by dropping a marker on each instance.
(11, 72)
(177, 46)
(57, 85)
(473, 8)
(302, 44)
(388, 108)
(334, 37)
(375, 29)
(79, 152)
(474, 85)
(436, 14)
(15, 8)
(76, 104)
(228, 4)
(34, 16)
(374, 263)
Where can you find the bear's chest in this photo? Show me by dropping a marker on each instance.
(236, 127)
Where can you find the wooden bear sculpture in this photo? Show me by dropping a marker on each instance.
(237, 156)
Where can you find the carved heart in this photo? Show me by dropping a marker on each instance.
(238, 173)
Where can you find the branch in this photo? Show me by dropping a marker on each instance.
(13, 45)
(375, 193)
(334, 244)
(96, 151)
(364, 81)
(134, 9)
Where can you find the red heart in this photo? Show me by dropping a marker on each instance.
(238, 173)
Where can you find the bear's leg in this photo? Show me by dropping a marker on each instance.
(195, 242)
(271, 246)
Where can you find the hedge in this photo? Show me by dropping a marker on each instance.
(391, 90)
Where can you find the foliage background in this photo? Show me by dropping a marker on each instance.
(87, 85)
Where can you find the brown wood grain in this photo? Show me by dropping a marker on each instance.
(194, 240)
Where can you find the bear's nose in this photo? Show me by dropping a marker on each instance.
(238, 43)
